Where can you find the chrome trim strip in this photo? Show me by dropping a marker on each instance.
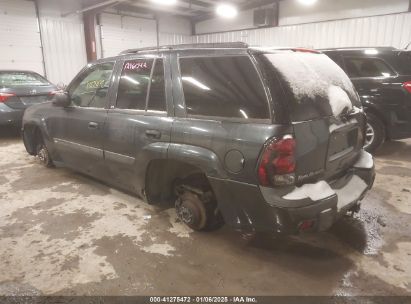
(79, 147)
(120, 158)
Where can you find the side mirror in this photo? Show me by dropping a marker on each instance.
(61, 99)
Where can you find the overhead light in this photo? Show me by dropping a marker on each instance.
(371, 52)
(307, 2)
(165, 2)
(226, 10)
(196, 83)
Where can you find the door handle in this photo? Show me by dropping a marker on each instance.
(153, 134)
(93, 125)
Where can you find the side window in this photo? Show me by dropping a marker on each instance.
(91, 88)
(134, 82)
(223, 87)
(367, 67)
(157, 98)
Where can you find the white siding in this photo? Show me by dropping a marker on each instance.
(292, 12)
(174, 30)
(63, 40)
(64, 48)
(119, 33)
(20, 45)
(389, 30)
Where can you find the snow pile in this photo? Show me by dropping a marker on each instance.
(365, 161)
(315, 192)
(339, 100)
(351, 192)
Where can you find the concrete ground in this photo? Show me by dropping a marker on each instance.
(62, 233)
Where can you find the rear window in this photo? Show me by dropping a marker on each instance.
(10, 79)
(367, 67)
(315, 86)
(223, 87)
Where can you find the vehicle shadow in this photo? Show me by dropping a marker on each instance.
(7, 132)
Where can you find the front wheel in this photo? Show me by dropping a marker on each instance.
(44, 156)
(375, 133)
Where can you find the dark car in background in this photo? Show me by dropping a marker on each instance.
(382, 77)
(18, 91)
(266, 140)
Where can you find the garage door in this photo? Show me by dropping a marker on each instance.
(20, 45)
(119, 33)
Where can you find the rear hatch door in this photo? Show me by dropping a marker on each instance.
(325, 112)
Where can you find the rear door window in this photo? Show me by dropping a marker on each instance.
(367, 67)
(223, 87)
(134, 84)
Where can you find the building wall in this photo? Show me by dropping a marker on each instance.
(20, 44)
(388, 30)
(63, 40)
(292, 12)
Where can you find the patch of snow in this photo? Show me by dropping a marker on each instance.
(315, 192)
(351, 192)
(339, 100)
(162, 249)
(366, 161)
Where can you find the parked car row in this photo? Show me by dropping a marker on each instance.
(382, 77)
(18, 91)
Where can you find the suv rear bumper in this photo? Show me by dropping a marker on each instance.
(245, 207)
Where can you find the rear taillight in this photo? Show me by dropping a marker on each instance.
(407, 86)
(5, 96)
(277, 163)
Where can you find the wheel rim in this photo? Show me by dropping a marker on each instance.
(369, 135)
(185, 215)
(43, 155)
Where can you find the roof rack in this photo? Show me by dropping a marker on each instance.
(231, 45)
(359, 48)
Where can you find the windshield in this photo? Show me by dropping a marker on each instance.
(10, 79)
(317, 87)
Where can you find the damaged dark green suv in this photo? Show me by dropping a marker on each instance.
(258, 139)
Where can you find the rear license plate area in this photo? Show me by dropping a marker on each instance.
(342, 144)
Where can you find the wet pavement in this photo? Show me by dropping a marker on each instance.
(62, 233)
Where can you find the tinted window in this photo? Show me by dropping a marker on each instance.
(21, 78)
(367, 67)
(313, 84)
(404, 66)
(91, 88)
(157, 99)
(135, 78)
(223, 87)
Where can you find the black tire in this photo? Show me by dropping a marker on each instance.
(375, 134)
(43, 155)
(197, 214)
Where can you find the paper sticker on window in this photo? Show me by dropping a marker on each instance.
(96, 84)
(136, 66)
